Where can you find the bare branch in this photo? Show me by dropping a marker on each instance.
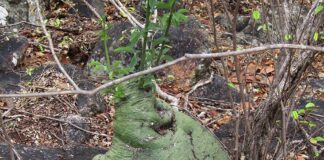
(174, 101)
(93, 10)
(129, 16)
(48, 36)
(160, 67)
(199, 84)
(62, 121)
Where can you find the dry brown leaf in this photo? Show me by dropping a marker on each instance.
(224, 120)
(251, 68)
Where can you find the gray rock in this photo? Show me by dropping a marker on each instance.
(22, 10)
(83, 10)
(9, 82)
(41, 153)
(74, 135)
(116, 34)
(190, 37)
(87, 105)
(12, 49)
(17, 10)
(241, 23)
(216, 90)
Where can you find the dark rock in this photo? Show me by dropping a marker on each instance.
(18, 11)
(74, 135)
(11, 50)
(216, 90)
(87, 105)
(317, 83)
(42, 153)
(83, 10)
(117, 31)
(9, 82)
(187, 38)
(241, 23)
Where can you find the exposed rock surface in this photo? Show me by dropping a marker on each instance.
(87, 105)
(216, 90)
(74, 135)
(42, 153)
(12, 48)
(83, 10)
(17, 10)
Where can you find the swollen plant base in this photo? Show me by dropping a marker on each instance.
(146, 128)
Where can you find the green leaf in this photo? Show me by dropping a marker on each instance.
(123, 14)
(303, 122)
(148, 81)
(96, 65)
(301, 111)
(310, 124)
(256, 15)
(159, 41)
(246, 10)
(318, 9)
(118, 93)
(127, 49)
(288, 37)
(263, 27)
(310, 105)
(57, 23)
(133, 63)
(313, 140)
(295, 115)
(231, 85)
(135, 36)
(321, 90)
(315, 37)
(319, 139)
(116, 64)
(163, 5)
(41, 48)
(170, 77)
(29, 71)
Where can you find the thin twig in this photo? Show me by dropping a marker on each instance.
(7, 138)
(48, 36)
(174, 101)
(93, 10)
(199, 84)
(62, 121)
(74, 31)
(129, 16)
(307, 137)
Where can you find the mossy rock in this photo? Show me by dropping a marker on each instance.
(147, 128)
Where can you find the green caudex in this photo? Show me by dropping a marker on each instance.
(147, 128)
